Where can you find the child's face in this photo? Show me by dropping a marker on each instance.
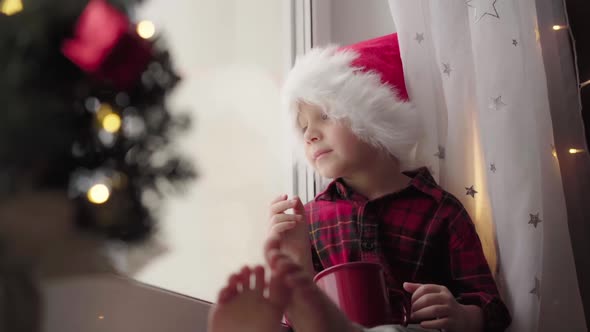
(330, 146)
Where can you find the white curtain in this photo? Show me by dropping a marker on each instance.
(474, 68)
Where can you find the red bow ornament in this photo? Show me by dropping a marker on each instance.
(105, 46)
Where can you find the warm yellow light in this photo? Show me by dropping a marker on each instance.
(101, 317)
(558, 27)
(574, 151)
(11, 7)
(146, 29)
(111, 122)
(103, 111)
(554, 152)
(98, 194)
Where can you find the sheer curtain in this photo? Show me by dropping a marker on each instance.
(475, 70)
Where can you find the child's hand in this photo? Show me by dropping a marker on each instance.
(435, 307)
(291, 229)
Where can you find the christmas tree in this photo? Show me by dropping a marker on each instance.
(83, 109)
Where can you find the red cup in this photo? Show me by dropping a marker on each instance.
(358, 289)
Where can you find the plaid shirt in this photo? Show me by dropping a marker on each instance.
(419, 234)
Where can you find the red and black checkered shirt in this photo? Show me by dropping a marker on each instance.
(420, 234)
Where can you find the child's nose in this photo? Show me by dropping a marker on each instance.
(311, 136)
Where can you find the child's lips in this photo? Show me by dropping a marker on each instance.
(320, 153)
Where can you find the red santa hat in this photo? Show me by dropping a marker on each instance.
(363, 83)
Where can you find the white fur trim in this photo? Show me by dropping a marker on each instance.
(325, 77)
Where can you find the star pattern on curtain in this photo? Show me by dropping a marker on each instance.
(535, 219)
(447, 68)
(419, 37)
(471, 191)
(483, 8)
(497, 104)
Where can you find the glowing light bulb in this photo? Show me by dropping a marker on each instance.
(11, 7)
(103, 111)
(574, 151)
(98, 194)
(146, 29)
(558, 27)
(111, 122)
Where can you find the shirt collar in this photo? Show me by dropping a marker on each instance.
(422, 180)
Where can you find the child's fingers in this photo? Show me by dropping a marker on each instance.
(411, 287)
(282, 227)
(279, 198)
(282, 206)
(436, 324)
(298, 208)
(431, 312)
(425, 289)
(428, 300)
(279, 218)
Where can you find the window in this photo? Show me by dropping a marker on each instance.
(232, 56)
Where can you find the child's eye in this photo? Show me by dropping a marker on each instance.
(324, 116)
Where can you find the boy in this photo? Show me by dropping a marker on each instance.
(350, 106)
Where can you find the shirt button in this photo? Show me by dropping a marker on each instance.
(367, 245)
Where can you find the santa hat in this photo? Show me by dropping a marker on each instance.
(363, 83)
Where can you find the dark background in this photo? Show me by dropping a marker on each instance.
(579, 20)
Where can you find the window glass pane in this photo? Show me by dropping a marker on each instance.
(231, 55)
